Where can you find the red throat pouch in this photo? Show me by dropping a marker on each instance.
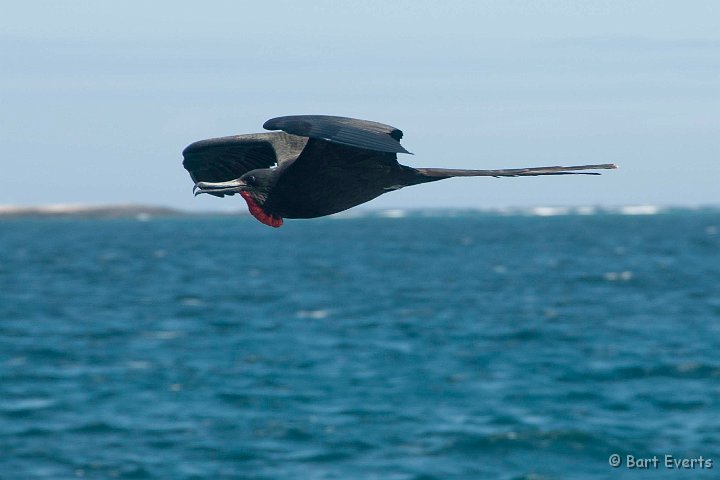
(257, 212)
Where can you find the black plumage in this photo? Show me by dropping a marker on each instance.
(318, 165)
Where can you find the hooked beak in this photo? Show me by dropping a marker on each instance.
(232, 186)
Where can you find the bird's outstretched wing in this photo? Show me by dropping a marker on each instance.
(341, 130)
(227, 158)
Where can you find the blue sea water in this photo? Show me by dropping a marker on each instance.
(422, 347)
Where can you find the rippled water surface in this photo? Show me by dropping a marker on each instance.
(476, 346)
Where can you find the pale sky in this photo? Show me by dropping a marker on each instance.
(99, 98)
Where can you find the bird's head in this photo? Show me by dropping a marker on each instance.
(254, 186)
(257, 184)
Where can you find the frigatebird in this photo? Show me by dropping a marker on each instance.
(317, 165)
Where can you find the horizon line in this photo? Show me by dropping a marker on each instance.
(146, 211)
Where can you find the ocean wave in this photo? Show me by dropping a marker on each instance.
(549, 211)
(635, 372)
(312, 314)
(640, 210)
(97, 427)
(26, 405)
(623, 276)
(534, 211)
(393, 213)
(479, 443)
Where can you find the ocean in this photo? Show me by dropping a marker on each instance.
(404, 345)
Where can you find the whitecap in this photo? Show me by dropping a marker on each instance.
(191, 302)
(626, 275)
(393, 213)
(640, 210)
(623, 276)
(549, 211)
(314, 314)
(107, 256)
(27, 404)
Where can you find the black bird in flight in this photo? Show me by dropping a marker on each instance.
(318, 165)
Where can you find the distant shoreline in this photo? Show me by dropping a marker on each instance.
(145, 212)
(97, 211)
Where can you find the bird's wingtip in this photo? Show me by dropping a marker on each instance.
(271, 124)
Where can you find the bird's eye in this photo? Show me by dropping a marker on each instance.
(251, 180)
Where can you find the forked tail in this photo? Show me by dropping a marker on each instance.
(514, 172)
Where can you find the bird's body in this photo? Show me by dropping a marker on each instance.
(318, 165)
(326, 186)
